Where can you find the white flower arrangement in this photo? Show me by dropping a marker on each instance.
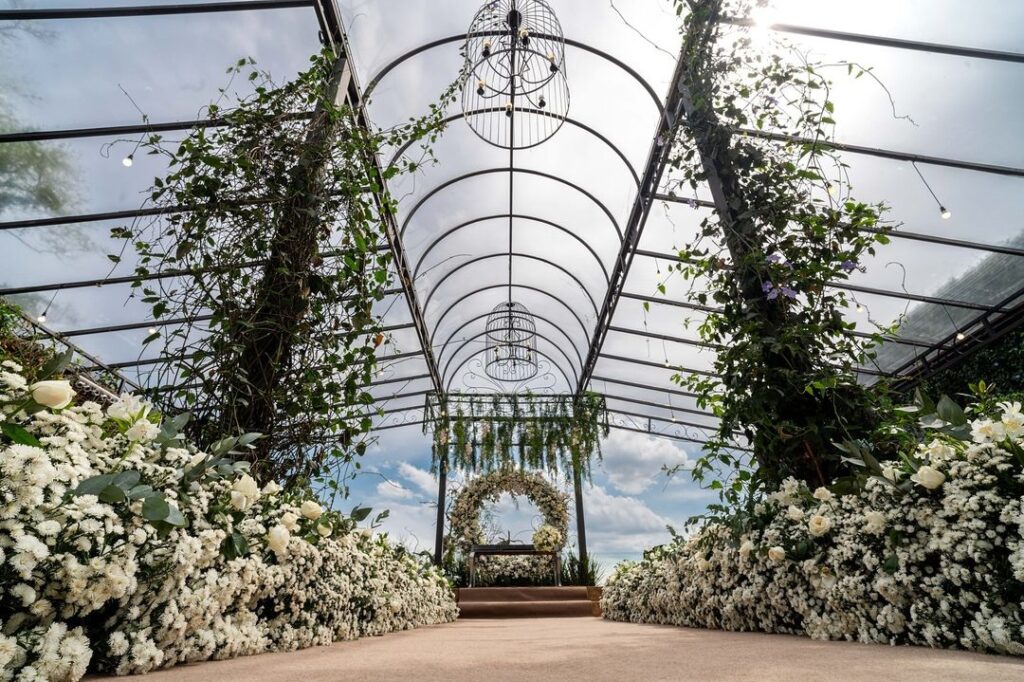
(933, 558)
(122, 549)
(547, 538)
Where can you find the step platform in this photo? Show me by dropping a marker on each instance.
(529, 602)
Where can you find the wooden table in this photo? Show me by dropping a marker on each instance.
(512, 550)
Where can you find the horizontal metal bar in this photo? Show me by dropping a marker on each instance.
(894, 233)
(133, 325)
(662, 406)
(663, 337)
(148, 10)
(395, 380)
(854, 287)
(645, 387)
(882, 41)
(887, 153)
(659, 365)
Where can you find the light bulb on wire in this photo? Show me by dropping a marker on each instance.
(41, 319)
(831, 189)
(960, 336)
(128, 161)
(860, 308)
(151, 330)
(945, 213)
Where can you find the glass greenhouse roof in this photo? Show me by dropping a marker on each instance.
(596, 222)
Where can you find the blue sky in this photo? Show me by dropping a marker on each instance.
(627, 506)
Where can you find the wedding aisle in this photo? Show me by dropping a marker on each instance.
(596, 650)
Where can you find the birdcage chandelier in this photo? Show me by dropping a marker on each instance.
(511, 353)
(515, 94)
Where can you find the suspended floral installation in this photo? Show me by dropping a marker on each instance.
(548, 432)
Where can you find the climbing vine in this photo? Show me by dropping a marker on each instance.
(549, 432)
(757, 132)
(264, 261)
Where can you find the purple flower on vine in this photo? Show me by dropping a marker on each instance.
(771, 293)
(774, 258)
(848, 266)
(788, 292)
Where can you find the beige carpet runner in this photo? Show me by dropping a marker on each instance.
(529, 602)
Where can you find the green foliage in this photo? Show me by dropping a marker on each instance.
(574, 572)
(785, 229)
(485, 433)
(275, 224)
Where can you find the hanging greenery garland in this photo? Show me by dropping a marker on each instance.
(487, 432)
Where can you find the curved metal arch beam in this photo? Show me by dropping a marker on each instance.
(554, 363)
(522, 216)
(440, 353)
(375, 81)
(527, 287)
(504, 169)
(502, 254)
(526, 110)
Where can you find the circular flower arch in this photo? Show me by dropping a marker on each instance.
(465, 514)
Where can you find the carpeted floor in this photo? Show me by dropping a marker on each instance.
(591, 649)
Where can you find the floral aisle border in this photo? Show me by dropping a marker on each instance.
(125, 548)
(930, 551)
(465, 514)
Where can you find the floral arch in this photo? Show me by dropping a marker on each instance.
(465, 514)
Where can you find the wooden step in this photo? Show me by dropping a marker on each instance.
(514, 594)
(574, 608)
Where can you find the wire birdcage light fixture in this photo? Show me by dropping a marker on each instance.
(511, 353)
(515, 94)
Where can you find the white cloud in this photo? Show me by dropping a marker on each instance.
(420, 479)
(389, 490)
(619, 524)
(633, 461)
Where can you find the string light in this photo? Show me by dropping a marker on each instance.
(960, 336)
(860, 308)
(151, 330)
(128, 160)
(830, 188)
(943, 211)
(41, 319)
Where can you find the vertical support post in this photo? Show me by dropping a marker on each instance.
(581, 524)
(442, 489)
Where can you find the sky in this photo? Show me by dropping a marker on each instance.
(98, 72)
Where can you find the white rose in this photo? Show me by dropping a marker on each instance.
(823, 494)
(324, 529)
(142, 431)
(776, 553)
(290, 521)
(278, 539)
(874, 521)
(239, 501)
(929, 477)
(818, 525)
(311, 510)
(795, 513)
(746, 548)
(271, 488)
(53, 394)
(128, 407)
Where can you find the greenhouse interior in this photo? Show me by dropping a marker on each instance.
(511, 339)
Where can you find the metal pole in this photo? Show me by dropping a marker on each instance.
(442, 488)
(581, 524)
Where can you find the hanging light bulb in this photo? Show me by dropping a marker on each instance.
(480, 85)
(41, 319)
(151, 330)
(542, 102)
(487, 48)
(128, 160)
(524, 35)
(508, 109)
(830, 188)
(944, 212)
(960, 336)
(860, 308)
